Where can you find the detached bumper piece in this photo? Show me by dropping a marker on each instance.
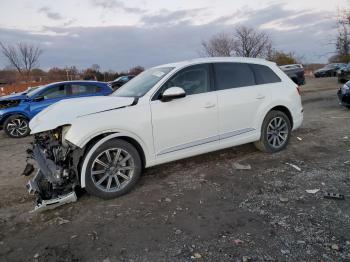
(42, 205)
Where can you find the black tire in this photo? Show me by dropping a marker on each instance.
(16, 126)
(348, 107)
(263, 144)
(97, 190)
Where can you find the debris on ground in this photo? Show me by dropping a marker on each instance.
(246, 259)
(334, 196)
(312, 191)
(335, 247)
(238, 241)
(299, 138)
(294, 166)
(196, 256)
(284, 199)
(345, 137)
(239, 166)
(62, 221)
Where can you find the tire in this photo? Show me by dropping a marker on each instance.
(347, 107)
(111, 172)
(16, 126)
(265, 144)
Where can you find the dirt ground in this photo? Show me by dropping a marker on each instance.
(203, 208)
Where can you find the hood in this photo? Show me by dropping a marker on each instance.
(65, 111)
(17, 96)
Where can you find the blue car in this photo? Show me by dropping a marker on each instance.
(17, 110)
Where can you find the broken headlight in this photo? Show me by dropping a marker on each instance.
(64, 132)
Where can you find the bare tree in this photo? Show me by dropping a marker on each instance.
(342, 41)
(95, 67)
(24, 57)
(218, 45)
(250, 43)
(136, 70)
(246, 42)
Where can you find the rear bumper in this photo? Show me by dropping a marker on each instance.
(298, 120)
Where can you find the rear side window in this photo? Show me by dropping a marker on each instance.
(264, 75)
(84, 89)
(231, 75)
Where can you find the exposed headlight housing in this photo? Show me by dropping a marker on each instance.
(64, 131)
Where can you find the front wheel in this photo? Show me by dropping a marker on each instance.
(16, 126)
(275, 132)
(113, 169)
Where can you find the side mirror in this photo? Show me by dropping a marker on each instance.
(38, 98)
(173, 93)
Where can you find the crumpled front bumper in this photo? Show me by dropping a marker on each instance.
(47, 172)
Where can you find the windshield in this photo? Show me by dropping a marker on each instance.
(35, 90)
(141, 84)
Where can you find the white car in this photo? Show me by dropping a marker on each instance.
(167, 113)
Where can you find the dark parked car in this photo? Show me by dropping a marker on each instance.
(344, 95)
(329, 70)
(295, 72)
(344, 74)
(17, 110)
(121, 81)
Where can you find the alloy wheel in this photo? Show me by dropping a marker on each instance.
(17, 127)
(277, 132)
(112, 170)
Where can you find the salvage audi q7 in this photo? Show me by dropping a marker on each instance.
(167, 113)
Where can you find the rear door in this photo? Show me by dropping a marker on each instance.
(239, 99)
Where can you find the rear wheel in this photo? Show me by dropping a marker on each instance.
(275, 132)
(113, 169)
(16, 126)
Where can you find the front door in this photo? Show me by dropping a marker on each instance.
(48, 97)
(186, 123)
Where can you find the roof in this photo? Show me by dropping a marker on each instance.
(78, 82)
(218, 59)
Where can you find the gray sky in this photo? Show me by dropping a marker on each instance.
(118, 34)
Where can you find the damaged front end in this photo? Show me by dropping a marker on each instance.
(57, 177)
(9, 103)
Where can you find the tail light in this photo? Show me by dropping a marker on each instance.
(298, 89)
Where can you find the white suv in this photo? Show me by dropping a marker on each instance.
(167, 113)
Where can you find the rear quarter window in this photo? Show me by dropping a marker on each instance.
(84, 89)
(232, 75)
(264, 74)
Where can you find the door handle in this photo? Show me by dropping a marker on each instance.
(260, 97)
(209, 105)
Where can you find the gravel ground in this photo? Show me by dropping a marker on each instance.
(204, 208)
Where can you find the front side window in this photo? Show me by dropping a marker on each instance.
(84, 89)
(232, 75)
(55, 92)
(264, 75)
(193, 79)
(144, 82)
